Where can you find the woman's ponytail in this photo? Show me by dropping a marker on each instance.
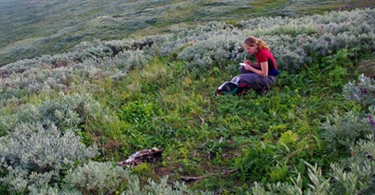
(252, 41)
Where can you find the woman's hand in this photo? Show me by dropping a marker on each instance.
(247, 62)
(248, 67)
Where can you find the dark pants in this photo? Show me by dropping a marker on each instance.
(256, 81)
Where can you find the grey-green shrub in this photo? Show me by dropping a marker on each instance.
(293, 41)
(89, 61)
(362, 90)
(161, 187)
(99, 178)
(107, 178)
(34, 155)
(355, 175)
(343, 131)
(67, 112)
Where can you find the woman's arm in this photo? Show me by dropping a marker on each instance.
(263, 69)
(256, 65)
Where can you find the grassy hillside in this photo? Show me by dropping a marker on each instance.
(68, 118)
(31, 28)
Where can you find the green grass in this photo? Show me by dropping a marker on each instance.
(205, 135)
(263, 6)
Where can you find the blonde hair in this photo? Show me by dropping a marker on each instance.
(252, 41)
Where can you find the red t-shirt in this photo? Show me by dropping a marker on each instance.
(264, 55)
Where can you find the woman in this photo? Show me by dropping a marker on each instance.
(261, 75)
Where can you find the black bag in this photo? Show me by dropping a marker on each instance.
(233, 87)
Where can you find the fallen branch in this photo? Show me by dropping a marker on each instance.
(191, 179)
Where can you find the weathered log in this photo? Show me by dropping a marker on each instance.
(148, 155)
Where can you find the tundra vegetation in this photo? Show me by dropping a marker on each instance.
(67, 118)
